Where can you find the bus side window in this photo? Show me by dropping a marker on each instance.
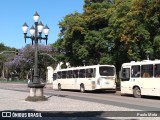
(89, 73)
(135, 71)
(64, 74)
(68, 74)
(54, 76)
(147, 71)
(82, 73)
(75, 73)
(157, 70)
(58, 75)
(94, 72)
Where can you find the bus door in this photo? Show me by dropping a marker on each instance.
(135, 75)
(157, 79)
(75, 79)
(148, 80)
(125, 80)
(54, 82)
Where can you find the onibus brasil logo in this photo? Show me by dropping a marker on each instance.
(21, 114)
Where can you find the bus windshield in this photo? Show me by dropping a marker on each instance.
(106, 71)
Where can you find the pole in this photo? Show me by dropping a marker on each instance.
(36, 87)
(35, 79)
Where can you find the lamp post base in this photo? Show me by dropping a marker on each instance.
(36, 93)
(36, 98)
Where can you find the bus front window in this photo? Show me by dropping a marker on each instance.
(106, 71)
(125, 74)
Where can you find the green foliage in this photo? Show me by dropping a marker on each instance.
(111, 32)
(156, 45)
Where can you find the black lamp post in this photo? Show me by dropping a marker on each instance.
(84, 62)
(36, 87)
(147, 53)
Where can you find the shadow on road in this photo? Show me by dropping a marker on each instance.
(94, 91)
(145, 97)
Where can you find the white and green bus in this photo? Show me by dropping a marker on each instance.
(86, 78)
(141, 78)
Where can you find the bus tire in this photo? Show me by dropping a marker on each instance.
(59, 87)
(137, 92)
(82, 88)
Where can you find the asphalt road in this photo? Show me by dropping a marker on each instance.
(104, 97)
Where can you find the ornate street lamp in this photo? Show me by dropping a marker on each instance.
(36, 87)
(84, 62)
(147, 53)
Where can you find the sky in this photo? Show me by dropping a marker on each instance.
(13, 14)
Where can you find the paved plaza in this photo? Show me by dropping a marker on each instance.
(12, 100)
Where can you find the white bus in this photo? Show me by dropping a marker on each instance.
(141, 78)
(85, 78)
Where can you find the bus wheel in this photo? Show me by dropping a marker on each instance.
(59, 87)
(137, 92)
(82, 88)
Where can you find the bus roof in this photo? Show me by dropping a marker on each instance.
(84, 67)
(144, 62)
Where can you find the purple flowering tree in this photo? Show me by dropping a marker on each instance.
(24, 61)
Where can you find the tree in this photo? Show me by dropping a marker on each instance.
(24, 61)
(81, 36)
(5, 56)
(111, 32)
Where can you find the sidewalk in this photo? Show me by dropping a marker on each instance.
(15, 100)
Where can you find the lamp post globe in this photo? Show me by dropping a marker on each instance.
(40, 27)
(36, 17)
(32, 31)
(25, 28)
(46, 30)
